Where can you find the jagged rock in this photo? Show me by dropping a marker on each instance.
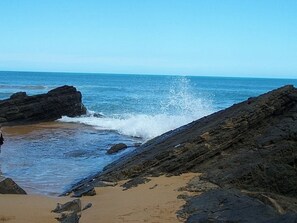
(70, 212)
(21, 108)
(8, 186)
(116, 148)
(135, 182)
(71, 206)
(84, 191)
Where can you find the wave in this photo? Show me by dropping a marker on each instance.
(179, 107)
(141, 125)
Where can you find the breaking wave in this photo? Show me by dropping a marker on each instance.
(179, 107)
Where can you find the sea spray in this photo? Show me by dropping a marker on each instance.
(183, 100)
(179, 107)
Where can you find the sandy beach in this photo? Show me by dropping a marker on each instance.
(154, 201)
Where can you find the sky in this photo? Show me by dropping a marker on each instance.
(246, 38)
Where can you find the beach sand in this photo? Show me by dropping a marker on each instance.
(154, 201)
(28, 208)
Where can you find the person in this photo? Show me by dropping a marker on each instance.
(1, 138)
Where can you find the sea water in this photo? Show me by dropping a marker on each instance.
(121, 108)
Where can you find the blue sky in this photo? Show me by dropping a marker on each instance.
(188, 37)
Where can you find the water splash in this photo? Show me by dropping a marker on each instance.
(182, 100)
(179, 107)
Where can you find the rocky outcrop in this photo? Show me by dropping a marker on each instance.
(117, 148)
(85, 191)
(22, 109)
(225, 205)
(8, 186)
(250, 147)
(70, 212)
(257, 137)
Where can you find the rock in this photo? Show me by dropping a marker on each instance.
(84, 191)
(220, 205)
(70, 212)
(135, 182)
(250, 146)
(71, 206)
(23, 109)
(8, 186)
(198, 185)
(137, 144)
(286, 218)
(18, 95)
(116, 148)
(71, 217)
(98, 115)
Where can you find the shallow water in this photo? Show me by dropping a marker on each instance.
(47, 158)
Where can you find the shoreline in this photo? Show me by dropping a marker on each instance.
(88, 143)
(153, 201)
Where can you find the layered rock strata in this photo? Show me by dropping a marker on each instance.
(23, 109)
(248, 151)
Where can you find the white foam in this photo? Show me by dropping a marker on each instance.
(178, 108)
(144, 126)
(139, 125)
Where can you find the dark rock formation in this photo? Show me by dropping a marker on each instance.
(74, 206)
(248, 141)
(85, 191)
(8, 186)
(229, 206)
(135, 182)
(70, 212)
(69, 217)
(22, 109)
(117, 148)
(251, 146)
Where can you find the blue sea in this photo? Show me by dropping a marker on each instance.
(48, 158)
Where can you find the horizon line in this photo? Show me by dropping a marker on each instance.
(156, 74)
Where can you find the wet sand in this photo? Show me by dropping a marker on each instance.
(155, 201)
(26, 129)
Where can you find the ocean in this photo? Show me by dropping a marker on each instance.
(48, 158)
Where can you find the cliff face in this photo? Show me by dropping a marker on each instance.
(247, 154)
(22, 109)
